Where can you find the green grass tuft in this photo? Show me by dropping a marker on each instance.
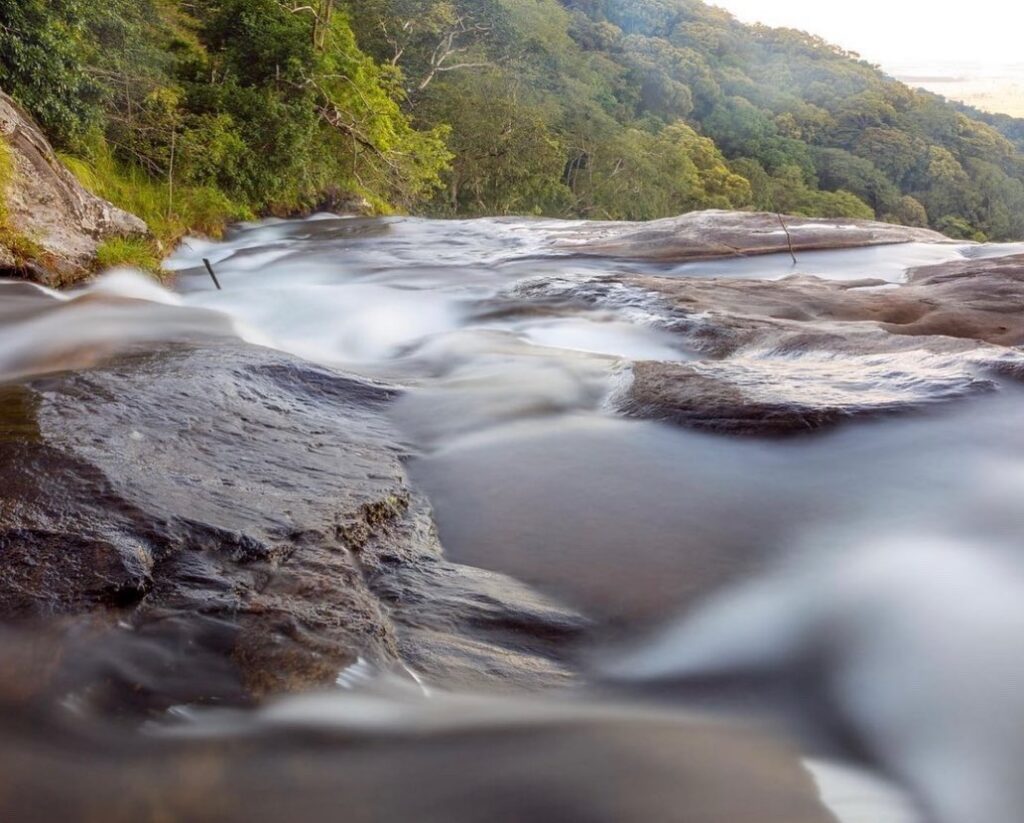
(136, 253)
(169, 215)
(191, 209)
(24, 249)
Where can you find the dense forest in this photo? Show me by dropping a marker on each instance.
(196, 112)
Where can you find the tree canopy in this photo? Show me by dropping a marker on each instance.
(628, 109)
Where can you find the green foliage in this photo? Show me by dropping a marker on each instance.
(393, 159)
(789, 191)
(135, 253)
(954, 226)
(39, 64)
(507, 157)
(909, 212)
(170, 213)
(195, 113)
(811, 128)
(640, 176)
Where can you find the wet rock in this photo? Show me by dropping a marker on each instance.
(47, 205)
(805, 353)
(229, 508)
(980, 300)
(456, 626)
(972, 299)
(754, 398)
(707, 235)
(60, 573)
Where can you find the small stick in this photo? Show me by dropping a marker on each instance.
(789, 237)
(216, 282)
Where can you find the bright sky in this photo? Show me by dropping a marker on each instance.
(898, 33)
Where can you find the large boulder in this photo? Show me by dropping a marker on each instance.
(46, 204)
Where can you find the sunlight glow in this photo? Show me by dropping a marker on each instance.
(902, 34)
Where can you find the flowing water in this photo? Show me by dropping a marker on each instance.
(877, 566)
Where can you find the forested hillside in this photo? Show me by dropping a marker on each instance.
(194, 113)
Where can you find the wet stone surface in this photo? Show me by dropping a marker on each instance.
(805, 353)
(707, 235)
(249, 515)
(189, 522)
(458, 761)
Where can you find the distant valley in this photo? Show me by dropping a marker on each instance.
(999, 89)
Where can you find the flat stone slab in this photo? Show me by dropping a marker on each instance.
(708, 235)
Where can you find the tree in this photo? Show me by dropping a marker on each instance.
(948, 191)
(507, 159)
(839, 170)
(909, 212)
(426, 39)
(40, 43)
(639, 175)
(899, 155)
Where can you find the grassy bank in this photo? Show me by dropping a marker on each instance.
(170, 211)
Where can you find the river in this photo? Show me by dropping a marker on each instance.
(854, 593)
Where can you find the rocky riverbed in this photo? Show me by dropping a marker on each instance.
(803, 353)
(405, 491)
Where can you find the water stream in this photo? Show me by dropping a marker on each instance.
(508, 408)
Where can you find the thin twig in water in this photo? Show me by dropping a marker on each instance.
(209, 268)
(789, 237)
